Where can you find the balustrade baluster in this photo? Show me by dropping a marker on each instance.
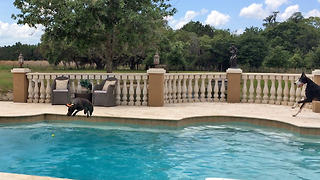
(124, 91)
(165, 91)
(279, 90)
(170, 100)
(179, 100)
(251, 89)
(30, 89)
(42, 89)
(285, 91)
(292, 91)
(131, 91)
(190, 99)
(79, 90)
(244, 88)
(209, 88)
(174, 88)
(145, 91)
(118, 89)
(196, 88)
(272, 90)
(48, 89)
(258, 89)
(216, 88)
(138, 91)
(184, 88)
(72, 86)
(36, 89)
(223, 89)
(203, 88)
(265, 89)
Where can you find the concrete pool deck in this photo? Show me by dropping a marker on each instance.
(169, 112)
(175, 112)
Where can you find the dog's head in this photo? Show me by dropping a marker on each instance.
(302, 80)
(71, 108)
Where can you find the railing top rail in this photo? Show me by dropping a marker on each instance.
(135, 74)
(275, 74)
(216, 73)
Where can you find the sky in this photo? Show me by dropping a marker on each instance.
(235, 15)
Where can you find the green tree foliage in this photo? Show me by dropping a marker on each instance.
(199, 29)
(29, 52)
(107, 26)
(252, 49)
(277, 58)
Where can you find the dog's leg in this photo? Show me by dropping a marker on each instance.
(75, 112)
(295, 105)
(299, 109)
(303, 103)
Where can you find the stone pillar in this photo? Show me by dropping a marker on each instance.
(156, 87)
(20, 84)
(316, 78)
(234, 89)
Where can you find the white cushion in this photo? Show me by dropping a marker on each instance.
(60, 90)
(107, 84)
(98, 91)
(62, 84)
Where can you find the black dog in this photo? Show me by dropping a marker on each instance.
(79, 104)
(312, 91)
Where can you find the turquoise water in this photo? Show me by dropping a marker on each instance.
(80, 151)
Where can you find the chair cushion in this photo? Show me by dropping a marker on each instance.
(98, 91)
(107, 84)
(60, 90)
(62, 84)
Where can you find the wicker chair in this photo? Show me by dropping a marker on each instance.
(103, 94)
(60, 91)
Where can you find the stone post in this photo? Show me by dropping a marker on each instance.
(234, 89)
(316, 78)
(20, 84)
(156, 87)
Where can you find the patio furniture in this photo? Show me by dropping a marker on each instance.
(103, 94)
(60, 91)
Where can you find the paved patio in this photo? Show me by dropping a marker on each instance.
(178, 111)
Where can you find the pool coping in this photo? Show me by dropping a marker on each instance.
(303, 130)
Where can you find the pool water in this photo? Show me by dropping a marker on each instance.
(82, 151)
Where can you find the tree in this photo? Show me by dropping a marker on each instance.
(277, 58)
(252, 49)
(105, 25)
(199, 28)
(271, 20)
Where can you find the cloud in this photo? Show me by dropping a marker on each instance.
(12, 33)
(288, 12)
(261, 11)
(217, 19)
(253, 11)
(273, 5)
(313, 13)
(189, 16)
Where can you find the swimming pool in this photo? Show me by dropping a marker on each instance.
(99, 151)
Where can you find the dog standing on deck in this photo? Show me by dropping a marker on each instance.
(312, 91)
(79, 104)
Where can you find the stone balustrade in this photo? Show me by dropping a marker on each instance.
(272, 88)
(131, 89)
(194, 87)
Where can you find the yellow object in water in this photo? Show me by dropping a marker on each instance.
(52, 135)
